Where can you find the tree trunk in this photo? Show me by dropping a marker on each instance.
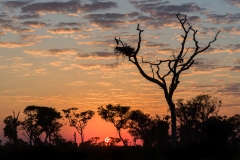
(173, 124)
(45, 141)
(121, 138)
(30, 139)
(82, 136)
(174, 127)
(75, 138)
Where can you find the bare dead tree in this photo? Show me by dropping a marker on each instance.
(176, 65)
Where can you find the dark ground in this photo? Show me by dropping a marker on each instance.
(119, 153)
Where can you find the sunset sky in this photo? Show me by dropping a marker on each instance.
(61, 54)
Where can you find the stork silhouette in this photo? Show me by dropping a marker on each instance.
(117, 41)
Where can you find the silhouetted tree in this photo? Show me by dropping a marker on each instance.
(11, 128)
(118, 115)
(192, 113)
(151, 130)
(160, 131)
(199, 108)
(78, 120)
(176, 65)
(38, 120)
(48, 120)
(114, 141)
(216, 130)
(235, 121)
(140, 125)
(102, 143)
(32, 130)
(57, 139)
(91, 142)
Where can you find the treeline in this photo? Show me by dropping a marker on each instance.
(198, 124)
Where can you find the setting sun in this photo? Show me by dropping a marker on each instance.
(107, 139)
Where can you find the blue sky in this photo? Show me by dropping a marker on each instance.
(61, 53)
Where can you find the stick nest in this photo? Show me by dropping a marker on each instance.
(125, 51)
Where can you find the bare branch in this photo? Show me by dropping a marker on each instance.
(169, 66)
(120, 41)
(166, 74)
(185, 53)
(143, 60)
(209, 44)
(139, 40)
(152, 70)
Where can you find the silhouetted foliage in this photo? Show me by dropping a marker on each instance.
(139, 125)
(114, 141)
(235, 137)
(160, 131)
(198, 109)
(216, 131)
(91, 142)
(38, 120)
(218, 136)
(191, 114)
(78, 120)
(151, 130)
(58, 140)
(32, 130)
(47, 119)
(176, 65)
(11, 128)
(118, 115)
(200, 123)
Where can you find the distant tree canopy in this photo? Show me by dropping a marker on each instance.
(78, 120)
(216, 131)
(198, 123)
(151, 130)
(10, 129)
(235, 136)
(117, 115)
(38, 120)
(197, 109)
